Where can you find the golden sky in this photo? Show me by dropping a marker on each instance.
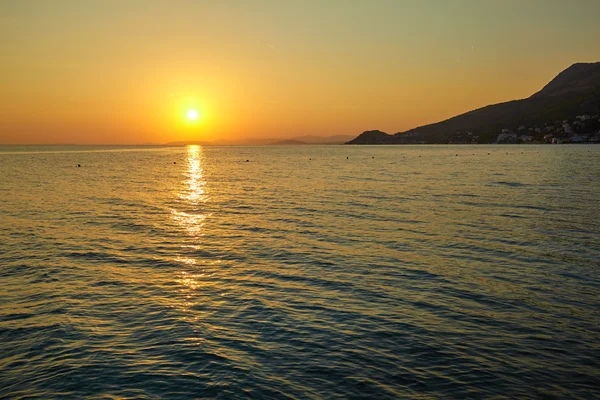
(127, 71)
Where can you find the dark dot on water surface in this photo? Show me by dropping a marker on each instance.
(78, 165)
(247, 160)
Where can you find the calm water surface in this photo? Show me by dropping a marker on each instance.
(306, 272)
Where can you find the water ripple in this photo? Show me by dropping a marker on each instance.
(408, 275)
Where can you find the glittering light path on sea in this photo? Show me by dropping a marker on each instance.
(306, 272)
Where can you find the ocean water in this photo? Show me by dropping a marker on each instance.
(304, 272)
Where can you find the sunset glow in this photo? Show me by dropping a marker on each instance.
(272, 69)
(299, 199)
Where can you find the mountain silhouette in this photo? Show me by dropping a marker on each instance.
(578, 78)
(574, 91)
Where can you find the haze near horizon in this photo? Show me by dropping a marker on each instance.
(108, 72)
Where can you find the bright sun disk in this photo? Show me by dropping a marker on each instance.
(192, 115)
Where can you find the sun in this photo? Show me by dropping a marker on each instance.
(192, 114)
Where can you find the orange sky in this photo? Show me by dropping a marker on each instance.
(127, 71)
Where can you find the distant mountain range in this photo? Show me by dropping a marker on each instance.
(299, 140)
(575, 91)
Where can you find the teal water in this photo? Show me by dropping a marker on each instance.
(305, 272)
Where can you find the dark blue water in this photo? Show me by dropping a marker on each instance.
(305, 272)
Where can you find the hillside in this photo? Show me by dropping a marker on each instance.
(306, 139)
(289, 142)
(575, 91)
(578, 78)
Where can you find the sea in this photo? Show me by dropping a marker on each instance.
(304, 272)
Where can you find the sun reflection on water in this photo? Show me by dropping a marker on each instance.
(193, 195)
(195, 192)
(190, 216)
